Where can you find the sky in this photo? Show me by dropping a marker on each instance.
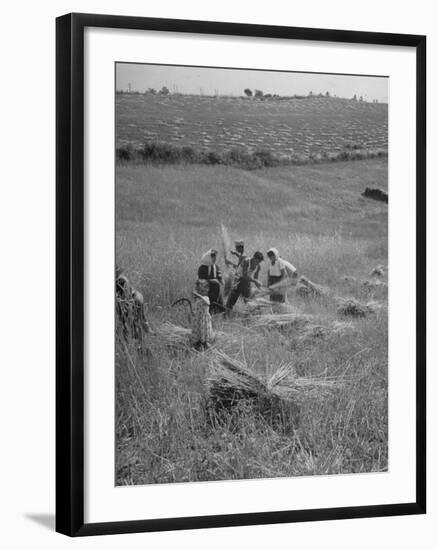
(209, 81)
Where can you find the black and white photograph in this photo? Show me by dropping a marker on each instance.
(215, 321)
(251, 278)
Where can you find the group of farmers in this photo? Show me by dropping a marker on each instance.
(245, 274)
(210, 291)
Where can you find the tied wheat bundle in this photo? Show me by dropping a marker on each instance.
(226, 241)
(286, 385)
(307, 289)
(350, 307)
(277, 399)
(229, 272)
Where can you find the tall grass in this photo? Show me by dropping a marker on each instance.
(163, 432)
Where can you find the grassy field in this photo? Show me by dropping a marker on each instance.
(283, 127)
(166, 218)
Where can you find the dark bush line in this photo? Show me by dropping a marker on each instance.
(165, 153)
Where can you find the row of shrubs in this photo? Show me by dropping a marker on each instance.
(165, 153)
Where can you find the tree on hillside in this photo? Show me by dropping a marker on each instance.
(248, 92)
(355, 97)
(150, 91)
(164, 90)
(259, 93)
(328, 94)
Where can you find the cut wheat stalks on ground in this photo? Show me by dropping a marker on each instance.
(276, 398)
(172, 335)
(226, 372)
(318, 331)
(175, 336)
(280, 320)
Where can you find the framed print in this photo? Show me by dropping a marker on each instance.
(240, 307)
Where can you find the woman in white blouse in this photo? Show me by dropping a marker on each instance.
(279, 270)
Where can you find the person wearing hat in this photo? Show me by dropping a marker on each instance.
(247, 273)
(238, 252)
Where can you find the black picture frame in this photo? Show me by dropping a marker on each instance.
(70, 273)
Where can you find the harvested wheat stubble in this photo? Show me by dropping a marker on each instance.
(277, 399)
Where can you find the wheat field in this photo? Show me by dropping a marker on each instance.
(305, 126)
(166, 217)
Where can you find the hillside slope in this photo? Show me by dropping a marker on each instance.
(310, 199)
(168, 216)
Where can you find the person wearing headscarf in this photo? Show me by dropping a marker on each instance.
(202, 334)
(210, 271)
(279, 270)
(247, 274)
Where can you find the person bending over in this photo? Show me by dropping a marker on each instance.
(279, 270)
(247, 274)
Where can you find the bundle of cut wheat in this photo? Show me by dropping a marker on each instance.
(276, 399)
(378, 271)
(226, 242)
(308, 289)
(228, 271)
(286, 385)
(350, 307)
(232, 386)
